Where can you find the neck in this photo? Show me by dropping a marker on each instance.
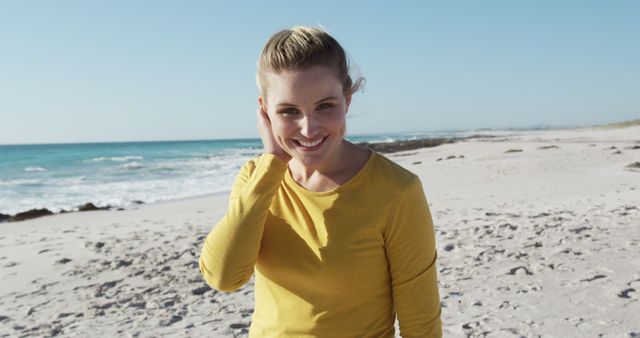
(333, 165)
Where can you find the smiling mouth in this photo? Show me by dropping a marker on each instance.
(310, 145)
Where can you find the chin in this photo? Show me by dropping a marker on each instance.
(314, 159)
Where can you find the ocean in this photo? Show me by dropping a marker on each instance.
(121, 174)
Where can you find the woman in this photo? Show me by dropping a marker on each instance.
(340, 237)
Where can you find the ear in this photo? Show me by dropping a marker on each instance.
(263, 104)
(348, 103)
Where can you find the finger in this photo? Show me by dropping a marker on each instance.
(265, 117)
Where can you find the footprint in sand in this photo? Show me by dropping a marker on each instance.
(519, 270)
(10, 264)
(591, 279)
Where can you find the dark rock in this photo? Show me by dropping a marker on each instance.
(137, 202)
(390, 147)
(90, 207)
(449, 247)
(99, 245)
(33, 213)
(404, 154)
(4, 218)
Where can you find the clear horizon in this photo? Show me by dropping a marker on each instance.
(133, 72)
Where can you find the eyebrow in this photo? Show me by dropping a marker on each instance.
(285, 104)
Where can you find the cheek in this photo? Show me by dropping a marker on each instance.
(338, 121)
(280, 128)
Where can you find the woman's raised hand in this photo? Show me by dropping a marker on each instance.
(271, 146)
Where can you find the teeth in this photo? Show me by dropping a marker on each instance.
(312, 144)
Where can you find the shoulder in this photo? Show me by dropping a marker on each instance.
(392, 173)
(264, 160)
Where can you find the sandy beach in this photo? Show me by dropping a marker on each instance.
(538, 234)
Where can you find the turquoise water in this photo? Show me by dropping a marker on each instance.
(65, 176)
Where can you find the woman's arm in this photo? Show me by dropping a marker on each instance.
(410, 248)
(231, 249)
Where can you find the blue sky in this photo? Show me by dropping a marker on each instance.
(83, 71)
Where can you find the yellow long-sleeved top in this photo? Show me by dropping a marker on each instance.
(339, 263)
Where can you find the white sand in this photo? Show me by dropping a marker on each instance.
(538, 242)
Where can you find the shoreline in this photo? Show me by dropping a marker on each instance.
(90, 207)
(383, 147)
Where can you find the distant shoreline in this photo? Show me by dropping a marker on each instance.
(621, 124)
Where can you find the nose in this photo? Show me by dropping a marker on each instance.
(309, 126)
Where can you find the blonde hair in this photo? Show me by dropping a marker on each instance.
(302, 47)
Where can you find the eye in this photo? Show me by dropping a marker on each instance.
(288, 111)
(324, 106)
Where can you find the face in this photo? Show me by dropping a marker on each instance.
(307, 111)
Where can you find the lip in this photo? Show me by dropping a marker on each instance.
(316, 147)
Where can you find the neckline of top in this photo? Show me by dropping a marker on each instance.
(291, 182)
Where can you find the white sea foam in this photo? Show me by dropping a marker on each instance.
(68, 181)
(119, 193)
(132, 165)
(21, 181)
(162, 179)
(34, 169)
(118, 158)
